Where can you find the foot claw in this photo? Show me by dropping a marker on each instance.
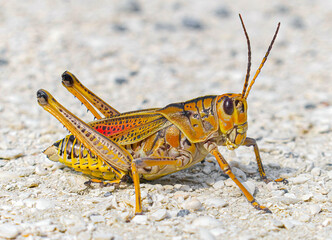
(260, 207)
(267, 180)
(283, 180)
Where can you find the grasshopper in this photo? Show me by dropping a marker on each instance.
(151, 143)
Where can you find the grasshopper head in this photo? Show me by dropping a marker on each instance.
(232, 108)
(232, 116)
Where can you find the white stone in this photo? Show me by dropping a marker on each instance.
(193, 204)
(206, 222)
(329, 196)
(159, 215)
(304, 218)
(272, 186)
(207, 169)
(306, 197)
(277, 223)
(218, 232)
(289, 198)
(29, 202)
(316, 171)
(8, 230)
(206, 234)
(41, 171)
(326, 222)
(31, 183)
(97, 218)
(329, 174)
(230, 183)
(314, 209)
(288, 224)
(103, 235)
(299, 179)
(140, 219)
(10, 154)
(219, 184)
(210, 181)
(43, 204)
(216, 202)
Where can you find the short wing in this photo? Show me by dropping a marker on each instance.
(131, 127)
(195, 118)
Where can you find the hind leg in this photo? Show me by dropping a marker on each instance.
(87, 97)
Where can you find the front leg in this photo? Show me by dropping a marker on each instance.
(252, 142)
(213, 149)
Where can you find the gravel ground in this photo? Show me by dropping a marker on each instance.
(141, 54)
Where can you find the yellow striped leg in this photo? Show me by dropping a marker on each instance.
(107, 150)
(87, 97)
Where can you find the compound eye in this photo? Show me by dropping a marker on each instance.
(228, 106)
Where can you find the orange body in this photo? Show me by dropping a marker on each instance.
(178, 131)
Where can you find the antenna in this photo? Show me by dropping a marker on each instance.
(249, 58)
(262, 63)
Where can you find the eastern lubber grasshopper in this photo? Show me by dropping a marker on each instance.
(151, 143)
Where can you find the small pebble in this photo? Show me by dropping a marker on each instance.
(192, 23)
(307, 197)
(183, 212)
(289, 198)
(130, 6)
(304, 218)
(121, 81)
(8, 230)
(288, 224)
(193, 204)
(222, 12)
(210, 181)
(299, 179)
(103, 235)
(329, 196)
(107, 194)
(43, 204)
(140, 219)
(316, 171)
(41, 171)
(206, 234)
(159, 215)
(326, 222)
(207, 169)
(31, 183)
(219, 184)
(218, 232)
(230, 183)
(314, 209)
(329, 174)
(216, 202)
(206, 222)
(10, 154)
(277, 223)
(96, 218)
